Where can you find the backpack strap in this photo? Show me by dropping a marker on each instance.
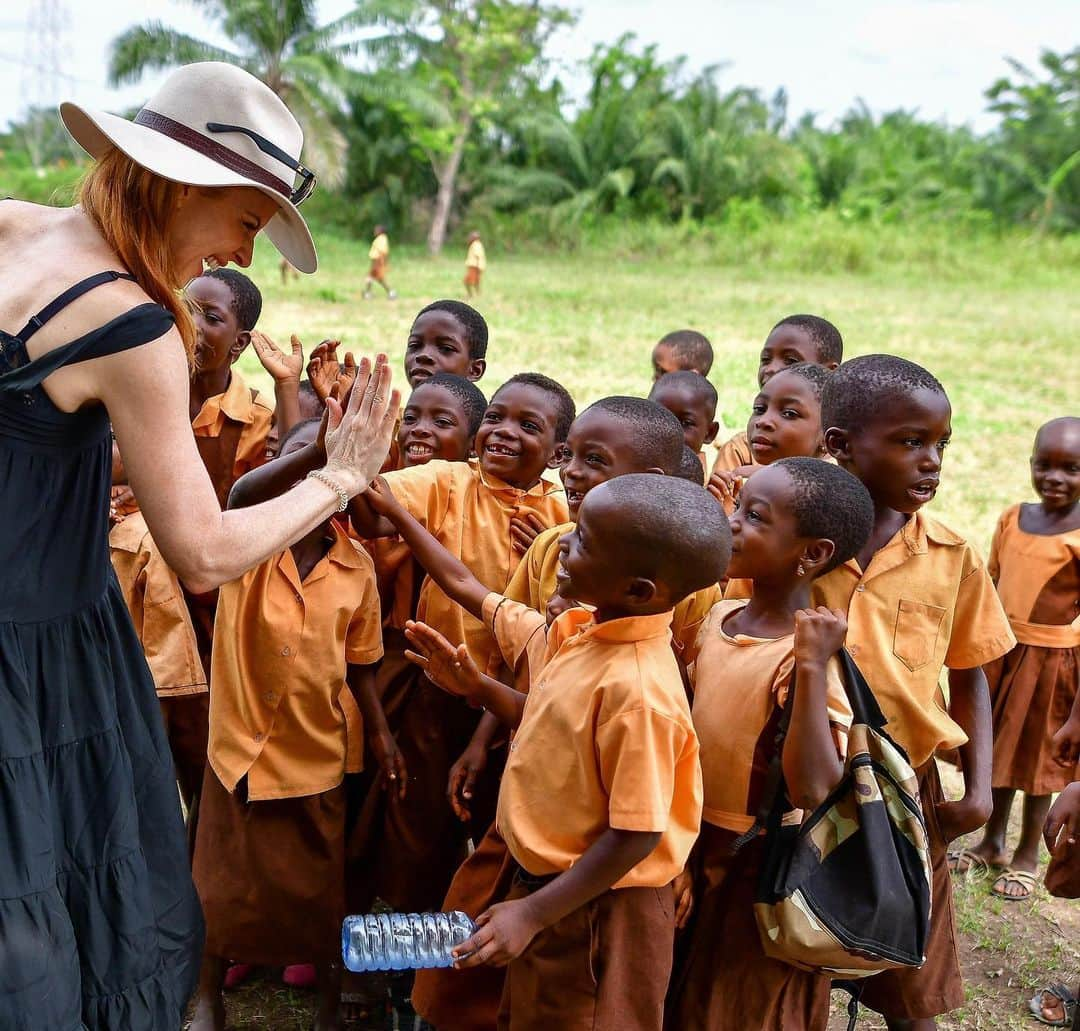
(72, 293)
(864, 705)
(771, 807)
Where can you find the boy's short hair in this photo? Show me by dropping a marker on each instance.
(830, 502)
(295, 429)
(690, 347)
(476, 329)
(472, 400)
(690, 468)
(697, 385)
(672, 531)
(830, 345)
(565, 410)
(655, 434)
(816, 375)
(861, 387)
(246, 298)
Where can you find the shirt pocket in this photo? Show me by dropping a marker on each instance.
(916, 634)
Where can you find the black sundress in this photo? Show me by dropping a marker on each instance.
(100, 927)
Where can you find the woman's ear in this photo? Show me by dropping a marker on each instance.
(817, 554)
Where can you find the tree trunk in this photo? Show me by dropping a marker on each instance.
(446, 173)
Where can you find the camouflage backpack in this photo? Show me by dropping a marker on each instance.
(847, 892)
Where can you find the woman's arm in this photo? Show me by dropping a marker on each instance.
(146, 393)
(811, 766)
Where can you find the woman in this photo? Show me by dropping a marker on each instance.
(99, 923)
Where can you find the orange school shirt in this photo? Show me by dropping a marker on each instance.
(469, 514)
(281, 712)
(605, 740)
(533, 584)
(231, 431)
(1023, 566)
(156, 603)
(734, 452)
(925, 601)
(740, 685)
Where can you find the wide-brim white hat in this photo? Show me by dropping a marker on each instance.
(204, 127)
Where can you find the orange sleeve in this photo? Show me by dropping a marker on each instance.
(514, 626)
(980, 628)
(424, 491)
(993, 564)
(639, 751)
(251, 451)
(363, 639)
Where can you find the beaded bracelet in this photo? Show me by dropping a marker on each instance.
(325, 478)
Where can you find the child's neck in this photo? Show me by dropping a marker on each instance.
(516, 483)
(205, 385)
(1038, 519)
(311, 549)
(770, 612)
(888, 522)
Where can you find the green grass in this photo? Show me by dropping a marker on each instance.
(1001, 335)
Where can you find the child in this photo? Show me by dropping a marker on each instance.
(309, 406)
(600, 801)
(1035, 562)
(685, 350)
(469, 507)
(785, 422)
(794, 340)
(294, 645)
(446, 336)
(796, 520)
(691, 398)
(379, 256)
(612, 437)
(918, 598)
(475, 264)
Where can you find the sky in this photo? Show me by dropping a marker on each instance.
(936, 56)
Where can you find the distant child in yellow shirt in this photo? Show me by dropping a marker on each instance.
(379, 255)
(475, 264)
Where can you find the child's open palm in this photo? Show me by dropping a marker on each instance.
(447, 667)
(323, 368)
(281, 366)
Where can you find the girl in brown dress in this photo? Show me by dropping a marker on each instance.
(1035, 562)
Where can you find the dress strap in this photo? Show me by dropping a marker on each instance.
(70, 294)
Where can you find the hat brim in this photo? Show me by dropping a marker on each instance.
(96, 131)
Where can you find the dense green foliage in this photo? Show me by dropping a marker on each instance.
(430, 114)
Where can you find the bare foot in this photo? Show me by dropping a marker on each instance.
(209, 1014)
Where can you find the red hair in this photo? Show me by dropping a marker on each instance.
(134, 209)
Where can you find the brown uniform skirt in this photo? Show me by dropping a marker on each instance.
(937, 986)
(468, 1000)
(187, 726)
(472, 275)
(406, 851)
(1032, 691)
(604, 967)
(271, 875)
(724, 981)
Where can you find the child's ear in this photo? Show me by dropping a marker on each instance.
(559, 457)
(640, 591)
(832, 366)
(714, 429)
(818, 554)
(243, 338)
(477, 368)
(838, 443)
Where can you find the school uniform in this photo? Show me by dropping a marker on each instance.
(733, 453)
(406, 851)
(270, 847)
(475, 263)
(534, 582)
(379, 256)
(1033, 687)
(155, 600)
(608, 703)
(925, 601)
(724, 979)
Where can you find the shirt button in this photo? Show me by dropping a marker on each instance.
(861, 587)
(286, 651)
(299, 597)
(258, 738)
(270, 697)
(512, 746)
(853, 649)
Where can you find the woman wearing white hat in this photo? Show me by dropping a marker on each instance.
(99, 924)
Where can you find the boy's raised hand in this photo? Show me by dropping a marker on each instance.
(447, 667)
(1066, 743)
(381, 499)
(819, 635)
(346, 374)
(502, 933)
(322, 369)
(281, 366)
(724, 485)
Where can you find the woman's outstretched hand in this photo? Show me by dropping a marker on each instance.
(359, 432)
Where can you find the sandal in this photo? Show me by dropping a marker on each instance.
(1064, 996)
(967, 864)
(1008, 876)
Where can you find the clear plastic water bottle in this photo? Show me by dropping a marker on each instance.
(402, 941)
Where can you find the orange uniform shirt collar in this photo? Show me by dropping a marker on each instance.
(342, 552)
(540, 489)
(235, 404)
(911, 539)
(580, 625)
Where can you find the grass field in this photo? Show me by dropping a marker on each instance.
(1001, 333)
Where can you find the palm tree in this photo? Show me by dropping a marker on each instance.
(277, 41)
